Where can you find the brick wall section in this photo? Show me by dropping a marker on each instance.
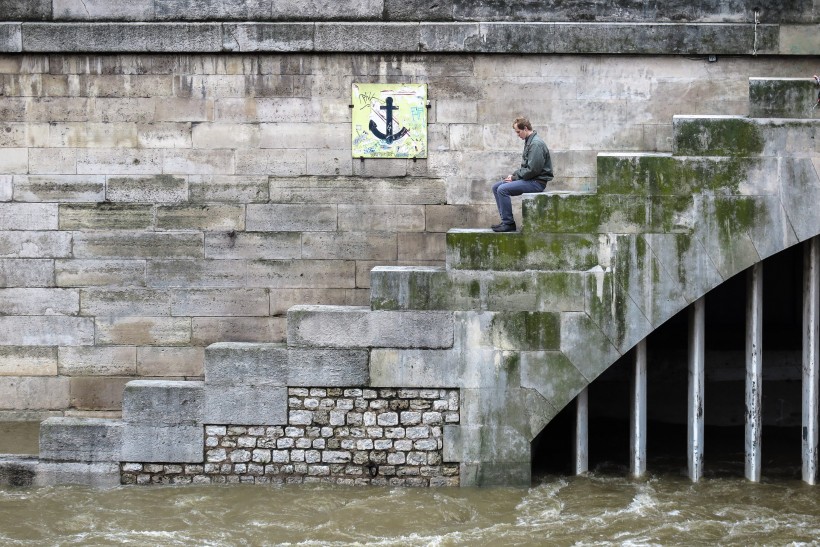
(333, 435)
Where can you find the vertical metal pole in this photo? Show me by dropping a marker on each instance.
(694, 449)
(637, 422)
(811, 319)
(754, 369)
(582, 432)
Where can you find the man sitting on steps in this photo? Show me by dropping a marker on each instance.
(533, 175)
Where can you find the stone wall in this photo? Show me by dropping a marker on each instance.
(350, 436)
(153, 204)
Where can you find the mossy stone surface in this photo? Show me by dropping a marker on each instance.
(528, 331)
(783, 98)
(716, 136)
(518, 251)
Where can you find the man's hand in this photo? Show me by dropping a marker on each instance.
(508, 179)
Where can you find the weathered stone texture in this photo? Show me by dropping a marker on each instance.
(110, 37)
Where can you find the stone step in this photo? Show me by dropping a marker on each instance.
(653, 174)
(739, 136)
(357, 327)
(518, 251)
(426, 288)
(783, 98)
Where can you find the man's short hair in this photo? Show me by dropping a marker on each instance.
(522, 123)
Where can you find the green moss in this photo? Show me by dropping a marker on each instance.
(718, 137)
(526, 331)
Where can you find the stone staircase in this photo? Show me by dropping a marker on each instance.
(512, 329)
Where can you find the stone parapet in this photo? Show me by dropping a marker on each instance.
(81, 439)
(694, 38)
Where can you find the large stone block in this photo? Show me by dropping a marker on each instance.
(356, 10)
(28, 361)
(132, 244)
(279, 217)
(226, 188)
(169, 403)
(106, 216)
(349, 245)
(95, 475)
(142, 331)
(122, 37)
(290, 37)
(158, 362)
(210, 330)
(24, 272)
(782, 98)
(356, 327)
(98, 361)
(246, 404)
(97, 392)
(33, 393)
(414, 368)
(14, 160)
(90, 273)
(81, 439)
(11, 38)
(78, 10)
(236, 364)
(60, 188)
(23, 301)
(273, 274)
(125, 302)
(201, 217)
(163, 443)
(221, 302)
(28, 216)
(328, 367)
(338, 37)
(199, 10)
(253, 245)
(46, 331)
(18, 470)
(276, 163)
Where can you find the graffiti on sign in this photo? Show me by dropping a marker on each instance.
(389, 120)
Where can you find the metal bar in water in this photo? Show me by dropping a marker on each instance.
(754, 369)
(811, 354)
(637, 422)
(694, 448)
(582, 432)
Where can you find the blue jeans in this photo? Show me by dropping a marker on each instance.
(503, 190)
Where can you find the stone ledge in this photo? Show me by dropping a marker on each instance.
(479, 37)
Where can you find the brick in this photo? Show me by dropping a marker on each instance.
(159, 361)
(46, 331)
(232, 189)
(37, 301)
(89, 273)
(33, 393)
(28, 216)
(131, 245)
(349, 245)
(21, 272)
(274, 274)
(97, 392)
(35, 244)
(201, 217)
(60, 188)
(28, 361)
(98, 361)
(143, 331)
(105, 216)
(210, 330)
(253, 245)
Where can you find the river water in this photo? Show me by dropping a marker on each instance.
(602, 508)
(599, 509)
